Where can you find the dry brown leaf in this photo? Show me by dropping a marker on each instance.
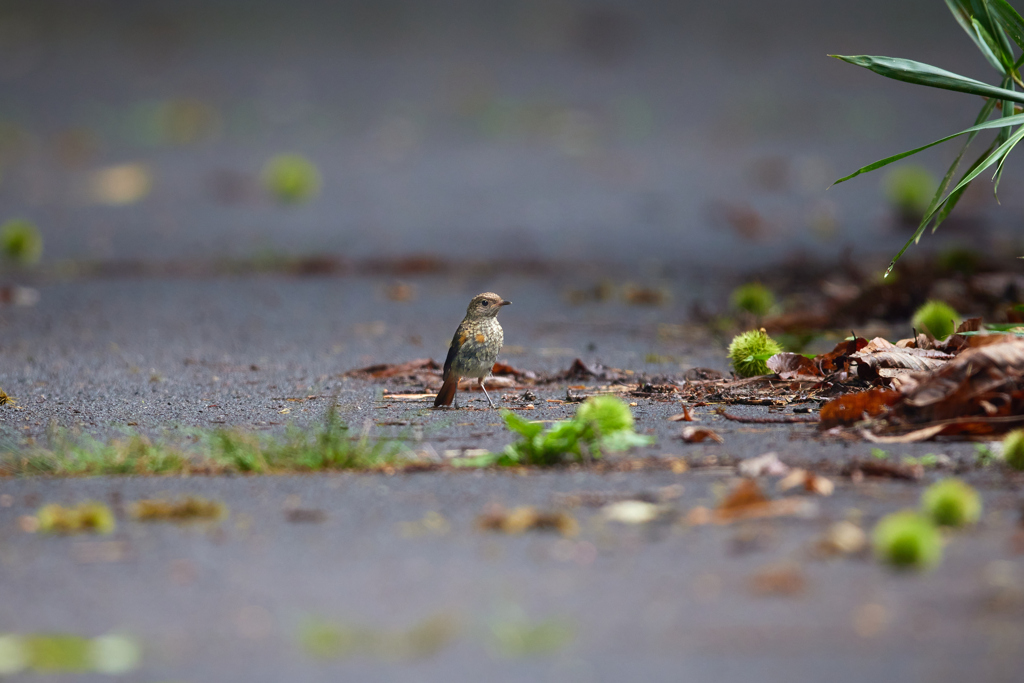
(401, 291)
(841, 538)
(880, 353)
(744, 494)
(764, 464)
(684, 416)
(786, 579)
(909, 437)
(858, 469)
(699, 434)
(384, 370)
(525, 518)
(793, 366)
(811, 482)
(852, 408)
(747, 501)
(996, 368)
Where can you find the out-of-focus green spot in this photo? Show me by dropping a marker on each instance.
(936, 318)
(21, 241)
(291, 178)
(960, 260)
(907, 540)
(13, 654)
(89, 516)
(753, 298)
(66, 653)
(114, 654)
(516, 636)
(909, 189)
(58, 653)
(951, 502)
(187, 509)
(326, 640)
(1013, 449)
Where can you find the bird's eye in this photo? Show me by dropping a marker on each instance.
(485, 303)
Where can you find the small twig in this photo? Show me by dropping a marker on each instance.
(772, 419)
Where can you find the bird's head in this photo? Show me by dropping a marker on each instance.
(485, 305)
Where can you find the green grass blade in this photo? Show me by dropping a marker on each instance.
(994, 123)
(909, 71)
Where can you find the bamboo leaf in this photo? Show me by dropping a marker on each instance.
(954, 197)
(1009, 19)
(987, 45)
(909, 71)
(994, 123)
(995, 156)
(986, 111)
(966, 15)
(946, 207)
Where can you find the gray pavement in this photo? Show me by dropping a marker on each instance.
(663, 601)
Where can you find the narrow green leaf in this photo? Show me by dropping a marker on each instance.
(965, 15)
(1010, 21)
(995, 156)
(987, 45)
(954, 197)
(994, 123)
(909, 71)
(983, 114)
(999, 170)
(1002, 44)
(946, 205)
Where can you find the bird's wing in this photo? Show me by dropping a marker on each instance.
(457, 341)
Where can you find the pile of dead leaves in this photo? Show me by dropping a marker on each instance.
(968, 385)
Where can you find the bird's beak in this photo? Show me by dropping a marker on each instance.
(505, 303)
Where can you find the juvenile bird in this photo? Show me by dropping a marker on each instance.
(474, 347)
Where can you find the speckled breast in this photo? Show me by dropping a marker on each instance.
(480, 349)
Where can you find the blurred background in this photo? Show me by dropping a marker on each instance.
(667, 133)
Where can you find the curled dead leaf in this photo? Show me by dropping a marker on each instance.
(699, 434)
(811, 482)
(842, 538)
(764, 464)
(786, 579)
(526, 518)
(684, 416)
(793, 366)
(852, 408)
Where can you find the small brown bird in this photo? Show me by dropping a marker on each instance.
(474, 347)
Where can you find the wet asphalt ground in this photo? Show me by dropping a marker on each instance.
(399, 559)
(663, 145)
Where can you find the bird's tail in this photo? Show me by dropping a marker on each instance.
(446, 394)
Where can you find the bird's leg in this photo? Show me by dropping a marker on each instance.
(480, 381)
